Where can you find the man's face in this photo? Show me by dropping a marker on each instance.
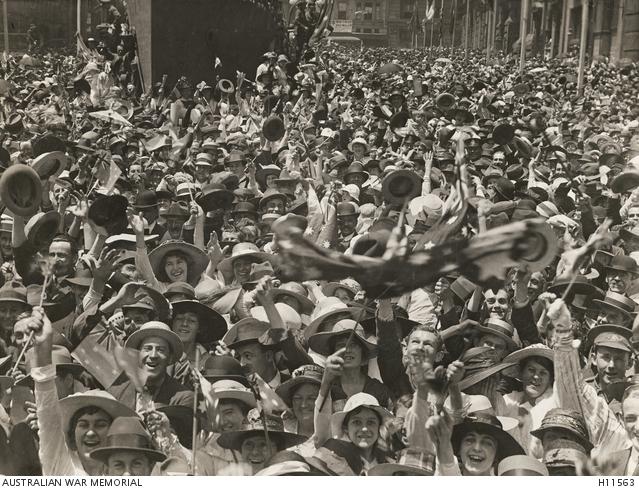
(615, 317)
(130, 271)
(186, 326)
(128, 463)
(425, 344)
(154, 357)
(8, 313)
(496, 303)
(618, 281)
(633, 215)
(62, 257)
(630, 410)
(477, 453)
(136, 317)
(275, 205)
(359, 149)
(347, 224)
(20, 333)
(357, 179)
(5, 245)
(303, 402)
(236, 168)
(535, 285)
(256, 451)
(135, 172)
(174, 226)
(232, 416)
(91, 431)
(255, 358)
(611, 364)
(499, 159)
(496, 343)
(202, 173)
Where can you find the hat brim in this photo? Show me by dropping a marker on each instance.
(43, 229)
(71, 404)
(321, 343)
(512, 345)
(357, 314)
(539, 434)
(216, 199)
(482, 374)
(506, 444)
(337, 419)
(306, 305)
(212, 325)
(136, 338)
(50, 164)
(521, 354)
(226, 265)
(389, 469)
(102, 454)
(601, 303)
(162, 305)
(75, 370)
(243, 396)
(576, 287)
(234, 439)
(286, 389)
(619, 330)
(198, 260)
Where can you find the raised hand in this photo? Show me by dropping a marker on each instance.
(137, 222)
(334, 366)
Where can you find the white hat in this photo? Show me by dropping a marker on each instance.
(353, 190)
(290, 317)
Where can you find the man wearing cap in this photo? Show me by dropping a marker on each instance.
(611, 358)
(621, 273)
(234, 403)
(13, 303)
(147, 204)
(347, 214)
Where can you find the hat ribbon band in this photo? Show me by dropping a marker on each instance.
(128, 440)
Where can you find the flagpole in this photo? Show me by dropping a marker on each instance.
(5, 25)
(454, 15)
(582, 46)
(523, 28)
(467, 28)
(78, 22)
(196, 386)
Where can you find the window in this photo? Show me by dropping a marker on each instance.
(378, 12)
(368, 11)
(376, 31)
(357, 29)
(341, 10)
(367, 31)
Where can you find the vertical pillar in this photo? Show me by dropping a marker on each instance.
(523, 30)
(582, 45)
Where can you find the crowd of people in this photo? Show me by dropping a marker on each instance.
(375, 262)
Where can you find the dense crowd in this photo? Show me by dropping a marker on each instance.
(375, 262)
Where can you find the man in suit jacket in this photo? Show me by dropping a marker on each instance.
(158, 347)
(626, 462)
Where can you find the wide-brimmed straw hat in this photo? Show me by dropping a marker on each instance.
(244, 250)
(196, 258)
(212, 325)
(323, 343)
(484, 423)
(275, 427)
(309, 373)
(156, 329)
(356, 401)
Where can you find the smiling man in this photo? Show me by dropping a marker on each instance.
(621, 273)
(611, 357)
(158, 347)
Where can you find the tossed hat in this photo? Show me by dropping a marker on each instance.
(217, 368)
(228, 389)
(245, 250)
(92, 398)
(21, 190)
(61, 359)
(608, 335)
(484, 423)
(109, 214)
(128, 434)
(501, 328)
(275, 428)
(353, 403)
(196, 258)
(50, 164)
(568, 420)
(323, 342)
(521, 465)
(246, 330)
(156, 329)
(212, 325)
(42, 227)
(309, 373)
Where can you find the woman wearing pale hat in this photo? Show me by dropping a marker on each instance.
(300, 393)
(70, 429)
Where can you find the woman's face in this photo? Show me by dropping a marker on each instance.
(176, 268)
(91, 431)
(242, 270)
(270, 181)
(535, 378)
(303, 402)
(354, 354)
(363, 428)
(186, 325)
(343, 294)
(256, 451)
(477, 453)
